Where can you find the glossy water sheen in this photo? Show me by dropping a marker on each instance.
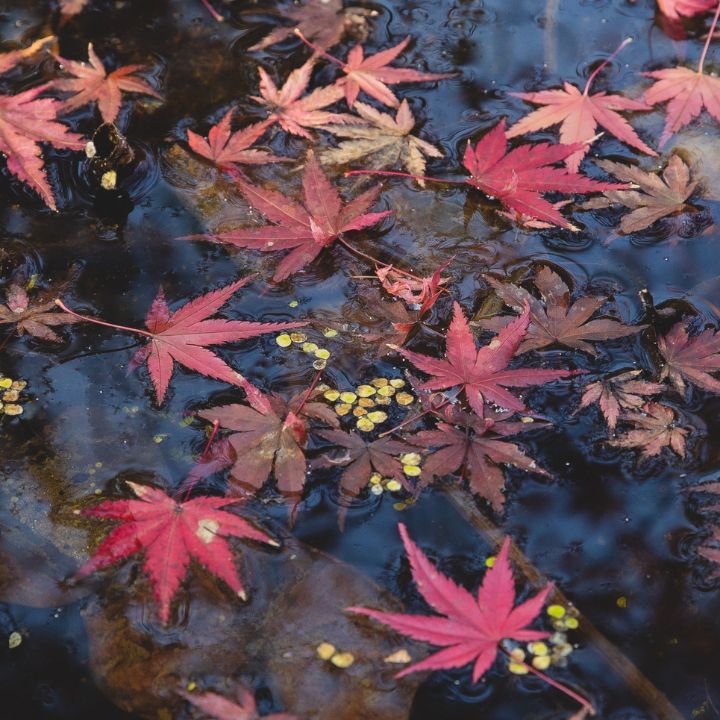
(602, 527)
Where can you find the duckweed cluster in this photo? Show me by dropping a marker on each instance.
(9, 400)
(300, 339)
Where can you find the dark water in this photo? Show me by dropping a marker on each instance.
(603, 527)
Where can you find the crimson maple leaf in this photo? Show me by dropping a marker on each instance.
(224, 147)
(476, 448)
(470, 630)
(363, 458)
(25, 122)
(170, 534)
(420, 292)
(483, 374)
(92, 83)
(690, 358)
(579, 114)
(182, 336)
(269, 433)
(372, 74)
(687, 8)
(686, 91)
(617, 393)
(303, 229)
(655, 428)
(519, 177)
(293, 112)
(556, 319)
(221, 708)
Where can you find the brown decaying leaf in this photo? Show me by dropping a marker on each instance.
(623, 392)
(690, 358)
(556, 319)
(477, 450)
(323, 22)
(92, 83)
(381, 143)
(35, 314)
(656, 198)
(362, 458)
(654, 429)
(269, 434)
(294, 112)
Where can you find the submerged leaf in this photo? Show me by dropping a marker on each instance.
(655, 429)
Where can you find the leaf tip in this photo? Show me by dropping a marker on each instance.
(242, 595)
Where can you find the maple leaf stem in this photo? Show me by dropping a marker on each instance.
(211, 439)
(362, 254)
(393, 173)
(319, 50)
(95, 321)
(308, 392)
(606, 62)
(216, 15)
(701, 64)
(556, 684)
(412, 419)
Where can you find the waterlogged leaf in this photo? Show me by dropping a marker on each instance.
(476, 450)
(25, 122)
(35, 313)
(655, 429)
(483, 374)
(243, 707)
(382, 143)
(9, 60)
(170, 533)
(323, 22)
(518, 178)
(295, 604)
(295, 112)
(685, 8)
(305, 229)
(421, 293)
(656, 197)
(618, 394)
(556, 319)
(690, 358)
(92, 83)
(372, 75)
(224, 147)
(269, 435)
(579, 114)
(361, 458)
(469, 630)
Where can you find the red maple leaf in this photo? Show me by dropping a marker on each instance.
(295, 112)
(579, 114)
(519, 177)
(224, 147)
(687, 8)
(170, 534)
(483, 374)
(686, 91)
(182, 336)
(478, 450)
(690, 358)
(92, 83)
(25, 122)
(244, 708)
(372, 74)
(655, 428)
(303, 229)
(268, 434)
(419, 292)
(362, 458)
(617, 393)
(470, 630)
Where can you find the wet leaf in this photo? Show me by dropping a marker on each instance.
(556, 319)
(655, 429)
(483, 374)
(243, 708)
(305, 229)
(685, 8)
(655, 198)
(470, 630)
(9, 60)
(72, 7)
(382, 143)
(169, 533)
